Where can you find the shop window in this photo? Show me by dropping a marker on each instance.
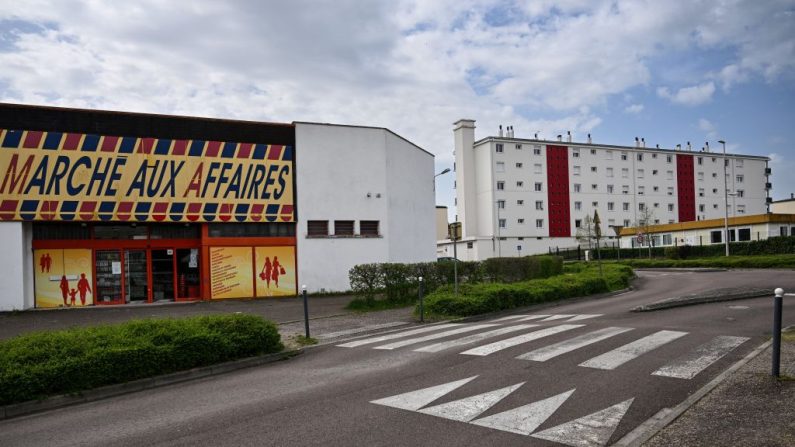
(782, 231)
(715, 237)
(744, 234)
(252, 229)
(175, 231)
(343, 228)
(317, 228)
(115, 232)
(368, 227)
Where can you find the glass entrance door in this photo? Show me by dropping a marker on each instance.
(163, 274)
(109, 278)
(136, 278)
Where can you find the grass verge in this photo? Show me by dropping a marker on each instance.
(759, 262)
(474, 299)
(42, 364)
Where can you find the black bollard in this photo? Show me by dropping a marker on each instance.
(306, 312)
(777, 304)
(422, 307)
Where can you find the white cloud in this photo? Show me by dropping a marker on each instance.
(709, 129)
(634, 108)
(689, 96)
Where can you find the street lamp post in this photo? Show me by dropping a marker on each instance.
(725, 200)
(445, 171)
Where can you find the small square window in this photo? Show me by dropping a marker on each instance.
(368, 227)
(538, 186)
(317, 228)
(519, 184)
(343, 228)
(499, 147)
(518, 165)
(500, 185)
(593, 168)
(539, 223)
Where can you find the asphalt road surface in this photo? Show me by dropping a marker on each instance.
(584, 373)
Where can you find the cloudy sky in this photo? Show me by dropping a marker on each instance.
(669, 71)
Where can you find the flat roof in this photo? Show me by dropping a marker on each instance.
(711, 223)
(366, 127)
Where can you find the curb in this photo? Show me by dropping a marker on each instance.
(654, 424)
(52, 403)
(684, 301)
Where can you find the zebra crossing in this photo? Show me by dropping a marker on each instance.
(524, 329)
(594, 429)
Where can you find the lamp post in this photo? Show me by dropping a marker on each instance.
(499, 238)
(725, 200)
(445, 171)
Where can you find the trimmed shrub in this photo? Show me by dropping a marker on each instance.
(42, 364)
(484, 298)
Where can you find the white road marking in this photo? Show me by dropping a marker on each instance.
(739, 307)
(436, 347)
(584, 317)
(533, 317)
(554, 350)
(469, 408)
(557, 317)
(688, 366)
(395, 335)
(411, 341)
(525, 419)
(593, 430)
(518, 340)
(510, 317)
(370, 327)
(623, 354)
(414, 400)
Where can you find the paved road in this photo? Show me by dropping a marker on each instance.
(587, 374)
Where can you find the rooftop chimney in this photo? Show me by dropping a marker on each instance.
(589, 138)
(657, 146)
(642, 142)
(637, 142)
(568, 136)
(707, 145)
(679, 147)
(560, 137)
(510, 131)
(535, 136)
(689, 147)
(499, 134)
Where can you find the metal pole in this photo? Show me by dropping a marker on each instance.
(499, 238)
(422, 306)
(306, 311)
(455, 267)
(725, 200)
(777, 302)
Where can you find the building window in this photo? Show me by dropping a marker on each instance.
(670, 190)
(519, 147)
(538, 186)
(610, 206)
(576, 170)
(536, 151)
(539, 204)
(641, 190)
(701, 160)
(740, 193)
(670, 207)
(739, 179)
(740, 209)
(539, 223)
(500, 166)
(653, 155)
(625, 172)
(668, 159)
(667, 239)
(577, 187)
(470, 245)
(655, 188)
(501, 204)
(368, 227)
(577, 206)
(609, 155)
(640, 173)
(701, 208)
(575, 153)
(782, 231)
(595, 204)
(701, 192)
(625, 206)
(715, 237)
(343, 228)
(537, 168)
(624, 156)
(518, 165)
(624, 189)
(502, 223)
(594, 187)
(656, 205)
(669, 175)
(520, 184)
(593, 168)
(520, 202)
(500, 186)
(521, 221)
(744, 234)
(578, 223)
(738, 163)
(609, 172)
(610, 189)
(640, 157)
(626, 222)
(653, 172)
(641, 206)
(499, 147)
(700, 176)
(317, 228)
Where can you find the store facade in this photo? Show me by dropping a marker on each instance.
(115, 208)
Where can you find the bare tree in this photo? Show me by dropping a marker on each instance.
(645, 222)
(597, 230)
(585, 233)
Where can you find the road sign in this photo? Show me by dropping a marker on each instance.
(454, 231)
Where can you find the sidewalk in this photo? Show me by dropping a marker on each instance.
(750, 408)
(327, 314)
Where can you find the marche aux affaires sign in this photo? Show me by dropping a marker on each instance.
(58, 176)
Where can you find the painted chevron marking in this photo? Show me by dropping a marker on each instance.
(623, 354)
(584, 317)
(525, 419)
(469, 408)
(593, 430)
(554, 350)
(414, 400)
(689, 365)
(441, 346)
(371, 327)
(518, 340)
(411, 341)
(557, 317)
(534, 317)
(511, 317)
(394, 335)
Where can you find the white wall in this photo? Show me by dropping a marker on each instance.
(358, 173)
(16, 289)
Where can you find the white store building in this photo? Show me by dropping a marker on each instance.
(519, 196)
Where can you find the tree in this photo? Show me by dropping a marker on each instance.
(585, 233)
(597, 230)
(644, 223)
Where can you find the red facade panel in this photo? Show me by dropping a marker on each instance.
(686, 188)
(558, 191)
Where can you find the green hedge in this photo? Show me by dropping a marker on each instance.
(769, 261)
(474, 299)
(398, 282)
(42, 364)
